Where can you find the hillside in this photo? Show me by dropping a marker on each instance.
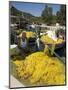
(25, 15)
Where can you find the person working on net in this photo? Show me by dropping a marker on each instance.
(23, 40)
(23, 44)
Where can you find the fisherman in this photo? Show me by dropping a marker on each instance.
(38, 28)
(23, 44)
(23, 41)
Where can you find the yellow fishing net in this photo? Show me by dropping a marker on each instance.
(46, 39)
(40, 69)
(28, 34)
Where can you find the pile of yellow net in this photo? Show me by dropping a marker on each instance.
(28, 34)
(46, 39)
(40, 69)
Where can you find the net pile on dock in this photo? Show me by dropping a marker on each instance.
(40, 69)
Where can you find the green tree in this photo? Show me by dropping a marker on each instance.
(47, 15)
(54, 19)
(58, 16)
(61, 15)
